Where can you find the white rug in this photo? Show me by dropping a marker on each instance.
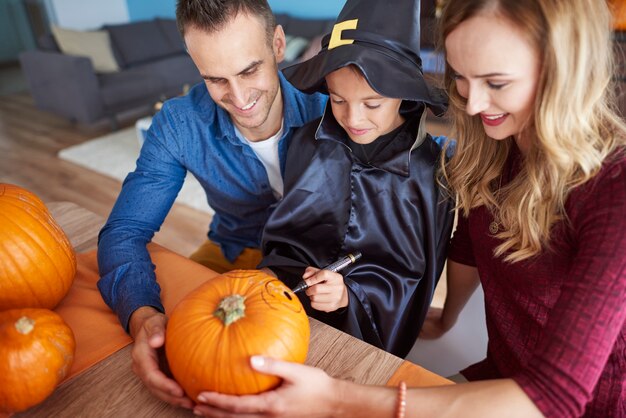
(115, 155)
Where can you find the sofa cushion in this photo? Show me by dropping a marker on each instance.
(94, 45)
(296, 45)
(138, 42)
(46, 42)
(173, 71)
(172, 34)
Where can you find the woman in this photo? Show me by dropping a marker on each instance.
(540, 177)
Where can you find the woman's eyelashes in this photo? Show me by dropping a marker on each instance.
(496, 85)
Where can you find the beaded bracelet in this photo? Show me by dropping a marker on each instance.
(401, 400)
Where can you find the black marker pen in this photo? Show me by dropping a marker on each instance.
(334, 267)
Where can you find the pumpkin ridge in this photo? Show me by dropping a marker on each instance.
(8, 263)
(33, 292)
(42, 262)
(52, 265)
(61, 240)
(224, 374)
(285, 334)
(17, 272)
(243, 341)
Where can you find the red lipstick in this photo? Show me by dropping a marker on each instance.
(489, 120)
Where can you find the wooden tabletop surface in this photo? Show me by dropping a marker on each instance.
(110, 389)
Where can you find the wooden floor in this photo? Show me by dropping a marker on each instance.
(29, 142)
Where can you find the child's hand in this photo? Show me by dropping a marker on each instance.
(327, 290)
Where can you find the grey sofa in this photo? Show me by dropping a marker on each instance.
(152, 60)
(153, 65)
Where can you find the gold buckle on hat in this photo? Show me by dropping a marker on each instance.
(335, 37)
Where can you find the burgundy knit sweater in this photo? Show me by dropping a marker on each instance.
(557, 322)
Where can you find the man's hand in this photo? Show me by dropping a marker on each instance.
(147, 327)
(327, 290)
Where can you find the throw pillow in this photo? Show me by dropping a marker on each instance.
(295, 46)
(95, 45)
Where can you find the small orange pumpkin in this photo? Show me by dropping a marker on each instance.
(37, 261)
(215, 329)
(36, 353)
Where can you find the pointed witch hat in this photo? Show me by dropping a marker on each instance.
(381, 38)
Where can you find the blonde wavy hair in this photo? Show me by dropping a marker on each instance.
(575, 125)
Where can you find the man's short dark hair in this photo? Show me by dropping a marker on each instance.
(212, 15)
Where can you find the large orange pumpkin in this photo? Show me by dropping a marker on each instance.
(36, 353)
(37, 261)
(215, 329)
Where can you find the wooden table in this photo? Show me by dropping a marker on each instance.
(110, 389)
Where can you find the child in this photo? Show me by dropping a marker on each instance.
(363, 178)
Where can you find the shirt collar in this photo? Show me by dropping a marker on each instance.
(292, 118)
(396, 156)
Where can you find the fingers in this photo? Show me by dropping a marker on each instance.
(217, 405)
(155, 330)
(433, 326)
(321, 276)
(180, 401)
(434, 312)
(327, 291)
(296, 377)
(310, 271)
(145, 363)
(145, 366)
(289, 372)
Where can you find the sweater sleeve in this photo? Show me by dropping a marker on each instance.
(461, 249)
(585, 323)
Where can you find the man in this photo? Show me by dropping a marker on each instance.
(232, 134)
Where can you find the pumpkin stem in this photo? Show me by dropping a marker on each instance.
(24, 325)
(231, 309)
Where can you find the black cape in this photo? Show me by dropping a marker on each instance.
(391, 210)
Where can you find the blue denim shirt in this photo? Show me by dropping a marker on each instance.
(190, 133)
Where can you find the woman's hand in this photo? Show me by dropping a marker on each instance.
(327, 290)
(305, 392)
(434, 324)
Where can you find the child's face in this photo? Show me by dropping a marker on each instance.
(497, 71)
(362, 113)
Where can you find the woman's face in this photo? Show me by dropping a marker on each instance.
(362, 113)
(497, 71)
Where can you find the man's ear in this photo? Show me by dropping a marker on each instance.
(279, 43)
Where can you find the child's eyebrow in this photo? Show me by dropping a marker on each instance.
(374, 97)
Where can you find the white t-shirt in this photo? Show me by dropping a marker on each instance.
(267, 152)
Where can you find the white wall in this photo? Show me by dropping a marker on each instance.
(88, 14)
(463, 345)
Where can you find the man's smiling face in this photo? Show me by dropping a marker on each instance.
(240, 68)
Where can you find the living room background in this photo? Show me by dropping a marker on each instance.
(91, 14)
